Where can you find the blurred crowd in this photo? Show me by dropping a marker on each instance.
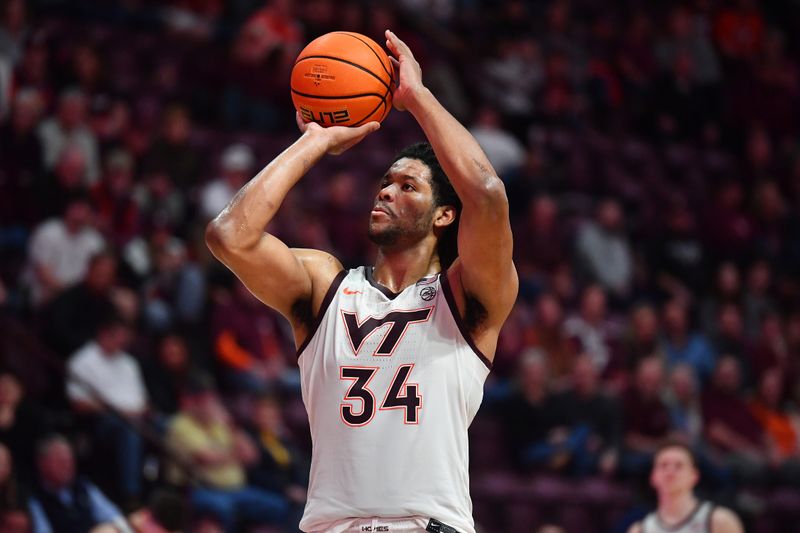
(651, 156)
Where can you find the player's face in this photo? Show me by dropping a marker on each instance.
(403, 209)
(673, 472)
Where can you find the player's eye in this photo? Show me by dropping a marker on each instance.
(408, 187)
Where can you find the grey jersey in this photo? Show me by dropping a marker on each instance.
(698, 521)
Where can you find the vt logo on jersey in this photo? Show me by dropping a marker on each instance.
(358, 332)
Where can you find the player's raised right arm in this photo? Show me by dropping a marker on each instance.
(278, 276)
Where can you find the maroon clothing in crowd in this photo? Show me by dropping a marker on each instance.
(648, 417)
(730, 410)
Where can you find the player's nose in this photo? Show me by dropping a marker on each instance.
(386, 194)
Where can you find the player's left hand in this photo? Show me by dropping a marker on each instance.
(407, 72)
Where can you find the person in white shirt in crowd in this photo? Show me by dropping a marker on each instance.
(70, 126)
(60, 250)
(505, 152)
(101, 375)
(236, 165)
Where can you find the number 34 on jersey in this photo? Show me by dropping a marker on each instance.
(359, 404)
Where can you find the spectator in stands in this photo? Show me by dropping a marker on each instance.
(63, 500)
(727, 290)
(13, 496)
(533, 437)
(72, 317)
(646, 417)
(681, 345)
(541, 240)
(21, 154)
(13, 29)
(281, 468)
(548, 334)
(174, 290)
(21, 350)
(33, 70)
(172, 153)
(160, 204)
(117, 211)
(730, 337)
(758, 300)
(780, 424)
(676, 257)
(63, 181)
(689, 33)
(69, 127)
(217, 452)
(603, 249)
(104, 384)
(730, 428)
(87, 71)
(773, 351)
(511, 75)
(60, 250)
(772, 221)
(249, 343)
(20, 425)
(593, 419)
(591, 328)
(236, 165)
(504, 151)
(166, 374)
(726, 227)
(643, 338)
(683, 401)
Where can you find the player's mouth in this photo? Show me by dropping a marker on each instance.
(379, 209)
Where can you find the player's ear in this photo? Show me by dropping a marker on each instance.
(444, 216)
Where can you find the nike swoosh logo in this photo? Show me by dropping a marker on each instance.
(348, 291)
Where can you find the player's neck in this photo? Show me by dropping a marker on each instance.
(673, 508)
(396, 269)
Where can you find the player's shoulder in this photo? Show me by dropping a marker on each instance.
(724, 520)
(321, 266)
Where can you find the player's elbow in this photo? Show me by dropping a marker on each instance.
(214, 237)
(221, 240)
(489, 195)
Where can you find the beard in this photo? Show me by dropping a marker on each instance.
(386, 236)
(397, 232)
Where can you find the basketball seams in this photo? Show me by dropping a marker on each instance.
(342, 97)
(356, 65)
(372, 112)
(380, 60)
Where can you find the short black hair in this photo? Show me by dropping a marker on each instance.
(443, 194)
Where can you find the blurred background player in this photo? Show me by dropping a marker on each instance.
(674, 477)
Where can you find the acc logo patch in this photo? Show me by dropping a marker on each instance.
(427, 294)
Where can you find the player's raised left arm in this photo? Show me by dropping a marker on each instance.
(725, 521)
(484, 239)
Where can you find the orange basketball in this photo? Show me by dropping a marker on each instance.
(342, 79)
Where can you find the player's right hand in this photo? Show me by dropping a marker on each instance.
(337, 138)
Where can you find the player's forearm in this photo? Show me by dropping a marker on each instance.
(243, 221)
(458, 152)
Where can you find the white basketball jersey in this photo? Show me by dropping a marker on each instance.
(699, 521)
(391, 382)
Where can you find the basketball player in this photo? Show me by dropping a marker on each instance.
(674, 477)
(393, 357)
